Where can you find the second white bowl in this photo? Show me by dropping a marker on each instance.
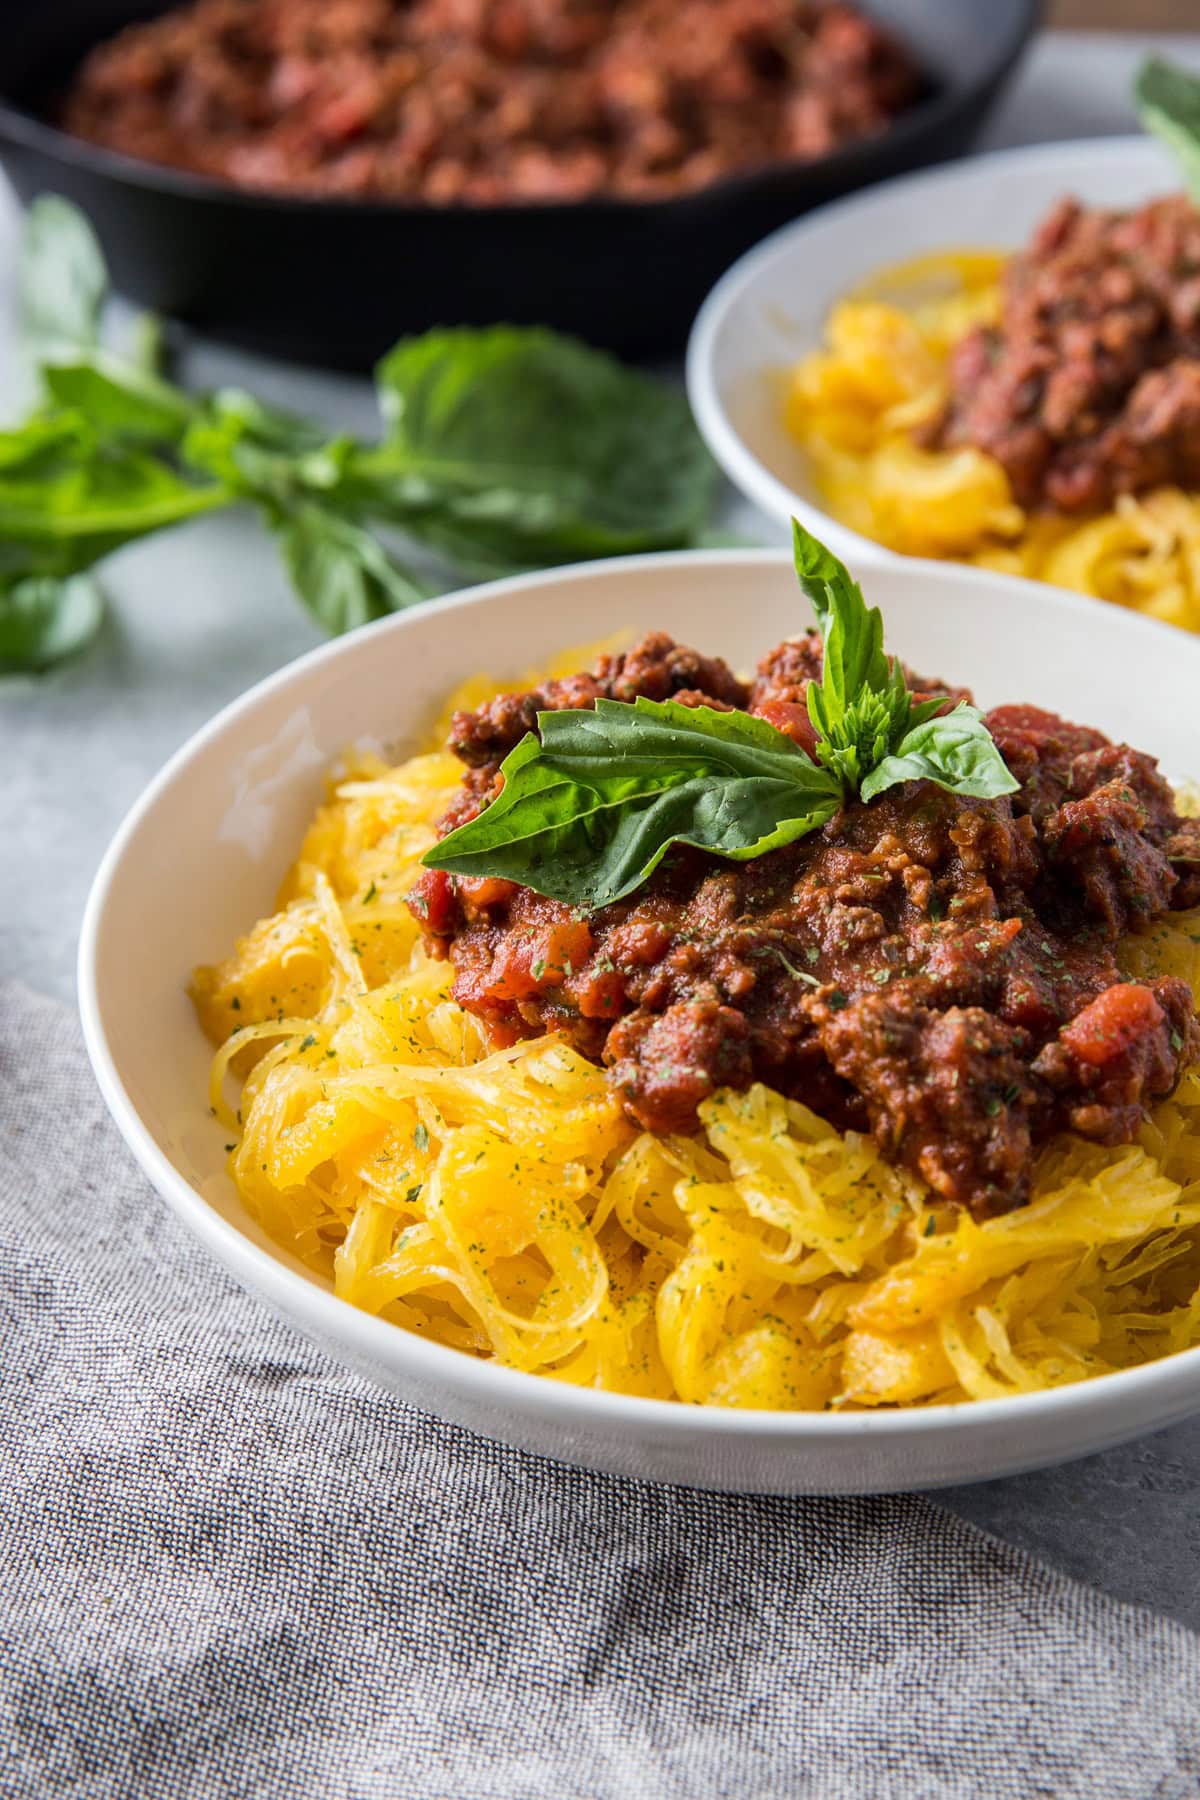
(770, 309)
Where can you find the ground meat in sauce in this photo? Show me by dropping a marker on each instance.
(489, 100)
(935, 969)
(1089, 386)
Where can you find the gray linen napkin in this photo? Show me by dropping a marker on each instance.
(228, 1567)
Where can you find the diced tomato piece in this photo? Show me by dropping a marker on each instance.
(600, 994)
(568, 946)
(542, 957)
(481, 891)
(792, 719)
(640, 941)
(1118, 1018)
(432, 899)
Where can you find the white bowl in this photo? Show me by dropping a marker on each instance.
(200, 856)
(771, 307)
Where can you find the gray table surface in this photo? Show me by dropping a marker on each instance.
(198, 617)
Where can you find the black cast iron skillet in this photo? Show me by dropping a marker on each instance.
(337, 281)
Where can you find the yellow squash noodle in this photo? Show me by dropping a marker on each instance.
(501, 1203)
(882, 370)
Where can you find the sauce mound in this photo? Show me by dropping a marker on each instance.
(1088, 386)
(936, 969)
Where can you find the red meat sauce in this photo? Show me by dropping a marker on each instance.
(934, 969)
(489, 100)
(1089, 385)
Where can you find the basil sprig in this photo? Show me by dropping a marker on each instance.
(500, 449)
(592, 802)
(871, 733)
(1168, 104)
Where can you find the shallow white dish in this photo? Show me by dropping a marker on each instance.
(202, 853)
(770, 309)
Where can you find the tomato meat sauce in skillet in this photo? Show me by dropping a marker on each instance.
(484, 101)
(936, 969)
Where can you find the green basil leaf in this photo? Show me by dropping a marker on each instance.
(117, 397)
(543, 449)
(852, 632)
(269, 426)
(66, 501)
(342, 573)
(467, 544)
(264, 454)
(44, 621)
(861, 738)
(1168, 103)
(926, 709)
(148, 348)
(955, 750)
(472, 554)
(42, 439)
(587, 813)
(62, 278)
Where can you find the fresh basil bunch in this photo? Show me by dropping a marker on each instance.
(502, 450)
(592, 802)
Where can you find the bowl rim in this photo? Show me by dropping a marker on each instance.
(749, 474)
(19, 124)
(376, 1340)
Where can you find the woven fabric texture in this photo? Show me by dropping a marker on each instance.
(232, 1568)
